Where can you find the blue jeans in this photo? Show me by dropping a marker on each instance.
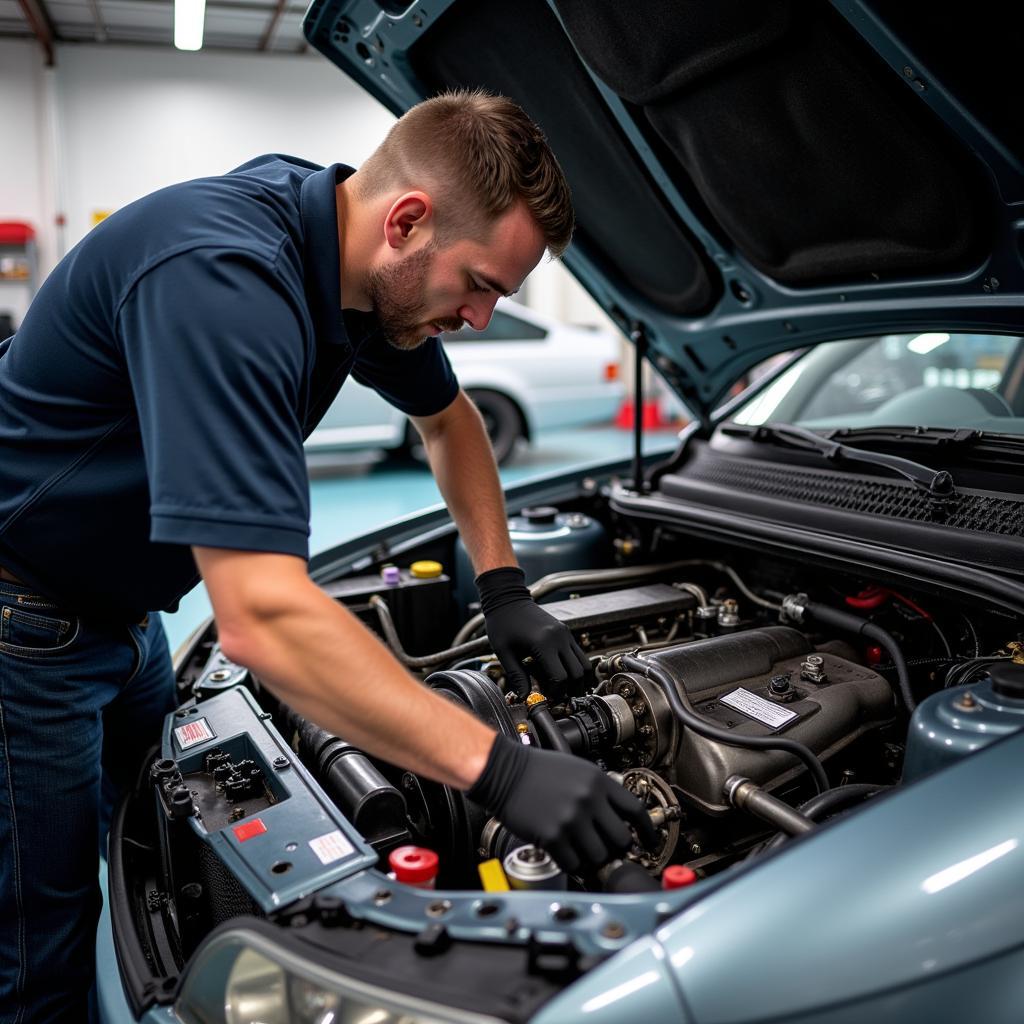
(80, 704)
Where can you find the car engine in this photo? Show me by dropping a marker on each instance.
(739, 709)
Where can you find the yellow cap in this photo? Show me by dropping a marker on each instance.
(534, 698)
(492, 876)
(426, 570)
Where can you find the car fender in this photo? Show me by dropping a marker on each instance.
(880, 903)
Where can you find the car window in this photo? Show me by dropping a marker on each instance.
(934, 378)
(502, 327)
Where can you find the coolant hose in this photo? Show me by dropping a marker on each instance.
(829, 802)
(689, 718)
(550, 736)
(799, 607)
(842, 796)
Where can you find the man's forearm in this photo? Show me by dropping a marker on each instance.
(314, 655)
(463, 464)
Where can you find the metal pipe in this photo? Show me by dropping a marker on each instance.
(430, 660)
(749, 797)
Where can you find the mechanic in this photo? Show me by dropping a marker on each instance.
(153, 407)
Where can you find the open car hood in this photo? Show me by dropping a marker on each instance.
(748, 178)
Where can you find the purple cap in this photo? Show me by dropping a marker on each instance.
(391, 575)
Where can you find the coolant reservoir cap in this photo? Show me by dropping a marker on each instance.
(413, 865)
(426, 570)
(676, 876)
(1007, 680)
(540, 515)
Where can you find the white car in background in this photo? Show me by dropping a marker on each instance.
(526, 372)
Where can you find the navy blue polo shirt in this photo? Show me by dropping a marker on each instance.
(159, 390)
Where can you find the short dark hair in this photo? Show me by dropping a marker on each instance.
(482, 154)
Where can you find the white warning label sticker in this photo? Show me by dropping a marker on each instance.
(331, 847)
(192, 733)
(758, 708)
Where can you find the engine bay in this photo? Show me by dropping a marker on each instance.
(744, 699)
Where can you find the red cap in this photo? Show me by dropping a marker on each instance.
(874, 655)
(413, 865)
(675, 876)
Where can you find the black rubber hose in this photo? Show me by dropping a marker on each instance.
(829, 802)
(690, 718)
(849, 623)
(835, 799)
(550, 736)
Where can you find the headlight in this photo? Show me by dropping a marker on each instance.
(242, 977)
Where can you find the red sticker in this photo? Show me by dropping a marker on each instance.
(193, 732)
(249, 829)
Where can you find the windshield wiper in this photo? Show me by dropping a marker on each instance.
(937, 484)
(968, 438)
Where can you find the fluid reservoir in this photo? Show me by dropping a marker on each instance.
(545, 541)
(953, 723)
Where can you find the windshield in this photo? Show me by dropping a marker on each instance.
(935, 379)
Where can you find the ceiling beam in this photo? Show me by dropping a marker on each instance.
(268, 32)
(241, 5)
(97, 17)
(42, 27)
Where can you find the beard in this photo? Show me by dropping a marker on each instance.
(396, 291)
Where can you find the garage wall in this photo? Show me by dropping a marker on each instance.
(121, 121)
(23, 164)
(134, 119)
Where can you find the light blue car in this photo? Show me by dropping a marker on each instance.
(806, 626)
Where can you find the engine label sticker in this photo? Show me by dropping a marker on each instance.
(758, 708)
(191, 733)
(331, 847)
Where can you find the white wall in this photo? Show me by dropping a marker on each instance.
(134, 119)
(22, 128)
(112, 123)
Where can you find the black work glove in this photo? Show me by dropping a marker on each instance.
(519, 629)
(560, 802)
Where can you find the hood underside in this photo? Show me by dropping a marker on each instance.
(748, 179)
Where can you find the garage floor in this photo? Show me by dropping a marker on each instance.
(356, 494)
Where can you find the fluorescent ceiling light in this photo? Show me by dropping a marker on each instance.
(921, 345)
(188, 24)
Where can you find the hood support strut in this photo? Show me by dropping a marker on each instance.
(638, 335)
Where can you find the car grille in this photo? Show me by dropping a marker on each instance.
(857, 494)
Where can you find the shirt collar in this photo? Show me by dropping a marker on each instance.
(319, 211)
